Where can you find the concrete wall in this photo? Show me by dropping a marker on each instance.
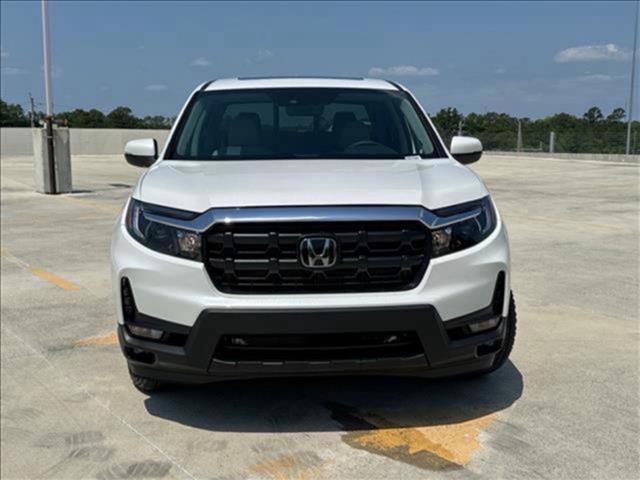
(105, 141)
(84, 141)
(15, 141)
(603, 157)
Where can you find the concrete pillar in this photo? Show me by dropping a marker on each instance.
(552, 142)
(62, 161)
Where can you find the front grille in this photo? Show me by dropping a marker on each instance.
(264, 258)
(317, 347)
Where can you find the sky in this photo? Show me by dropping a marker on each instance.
(528, 59)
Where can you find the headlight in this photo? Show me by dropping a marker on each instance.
(160, 237)
(465, 233)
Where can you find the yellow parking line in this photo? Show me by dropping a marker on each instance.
(436, 447)
(110, 338)
(56, 280)
(41, 273)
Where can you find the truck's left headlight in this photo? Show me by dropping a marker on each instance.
(466, 233)
(161, 237)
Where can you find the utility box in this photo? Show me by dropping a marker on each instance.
(61, 161)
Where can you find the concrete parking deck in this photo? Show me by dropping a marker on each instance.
(565, 407)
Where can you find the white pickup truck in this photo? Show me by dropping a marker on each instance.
(308, 226)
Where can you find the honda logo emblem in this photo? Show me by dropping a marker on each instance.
(318, 252)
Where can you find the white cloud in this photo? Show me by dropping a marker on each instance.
(404, 71)
(155, 88)
(200, 62)
(500, 70)
(595, 77)
(593, 53)
(12, 71)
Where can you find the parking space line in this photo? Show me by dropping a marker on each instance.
(50, 277)
(110, 338)
(445, 447)
(449, 446)
(56, 280)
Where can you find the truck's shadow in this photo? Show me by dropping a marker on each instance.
(336, 403)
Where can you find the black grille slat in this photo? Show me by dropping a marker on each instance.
(263, 258)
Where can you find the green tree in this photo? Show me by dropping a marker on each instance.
(593, 115)
(447, 121)
(12, 115)
(616, 115)
(497, 131)
(94, 119)
(156, 122)
(79, 118)
(121, 117)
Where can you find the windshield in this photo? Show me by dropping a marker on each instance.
(301, 123)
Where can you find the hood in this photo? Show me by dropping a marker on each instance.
(200, 185)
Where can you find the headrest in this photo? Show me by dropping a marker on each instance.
(340, 119)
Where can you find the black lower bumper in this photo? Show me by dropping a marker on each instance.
(444, 347)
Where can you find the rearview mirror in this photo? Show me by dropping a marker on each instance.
(466, 149)
(141, 153)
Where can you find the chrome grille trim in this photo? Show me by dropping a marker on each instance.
(338, 213)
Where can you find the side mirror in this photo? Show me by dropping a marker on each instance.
(141, 153)
(466, 149)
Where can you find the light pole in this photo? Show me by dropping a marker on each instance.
(46, 49)
(47, 56)
(51, 148)
(634, 54)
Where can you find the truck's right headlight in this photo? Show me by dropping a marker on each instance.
(161, 237)
(466, 233)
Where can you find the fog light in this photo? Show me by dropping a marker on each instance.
(484, 325)
(145, 332)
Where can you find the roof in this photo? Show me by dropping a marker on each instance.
(299, 82)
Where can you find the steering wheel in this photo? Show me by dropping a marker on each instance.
(362, 143)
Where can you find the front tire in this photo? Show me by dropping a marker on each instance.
(145, 385)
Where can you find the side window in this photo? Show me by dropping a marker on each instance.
(419, 135)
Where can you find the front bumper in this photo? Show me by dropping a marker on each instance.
(442, 353)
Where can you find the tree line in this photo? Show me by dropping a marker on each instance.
(593, 132)
(13, 115)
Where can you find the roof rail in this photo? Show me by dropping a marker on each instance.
(300, 76)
